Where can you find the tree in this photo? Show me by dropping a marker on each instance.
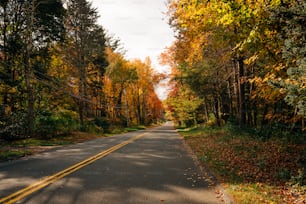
(58, 62)
(86, 44)
(290, 20)
(182, 106)
(147, 106)
(120, 74)
(240, 63)
(28, 27)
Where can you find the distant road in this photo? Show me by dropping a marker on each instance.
(150, 166)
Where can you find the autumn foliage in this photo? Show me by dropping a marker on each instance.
(242, 64)
(60, 71)
(243, 59)
(252, 170)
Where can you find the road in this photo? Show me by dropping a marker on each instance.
(152, 167)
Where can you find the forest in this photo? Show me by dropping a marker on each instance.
(238, 93)
(238, 61)
(232, 61)
(237, 85)
(60, 71)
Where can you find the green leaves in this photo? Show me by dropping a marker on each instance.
(292, 18)
(246, 58)
(184, 105)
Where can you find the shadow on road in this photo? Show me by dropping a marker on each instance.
(153, 169)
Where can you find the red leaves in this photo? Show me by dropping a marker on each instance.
(251, 160)
(246, 160)
(293, 195)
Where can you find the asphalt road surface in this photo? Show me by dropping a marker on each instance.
(152, 166)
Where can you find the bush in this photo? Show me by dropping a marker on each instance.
(92, 127)
(15, 127)
(48, 123)
(103, 123)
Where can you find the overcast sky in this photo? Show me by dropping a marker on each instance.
(139, 24)
(142, 27)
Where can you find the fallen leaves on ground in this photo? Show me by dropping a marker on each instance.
(264, 167)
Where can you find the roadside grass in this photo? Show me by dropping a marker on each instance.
(118, 130)
(13, 154)
(19, 148)
(252, 170)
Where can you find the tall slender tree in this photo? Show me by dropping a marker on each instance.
(28, 26)
(85, 46)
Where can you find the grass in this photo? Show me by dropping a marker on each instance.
(13, 154)
(135, 128)
(252, 170)
(119, 130)
(19, 148)
(40, 142)
(254, 193)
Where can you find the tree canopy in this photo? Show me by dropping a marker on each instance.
(60, 71)
(244, 59)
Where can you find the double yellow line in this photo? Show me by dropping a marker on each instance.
(14, 197)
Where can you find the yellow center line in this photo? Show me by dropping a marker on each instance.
(14, 197)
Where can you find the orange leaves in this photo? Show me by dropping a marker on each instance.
(254, 171)
(129, 90)
(249, 159)
(293, 195)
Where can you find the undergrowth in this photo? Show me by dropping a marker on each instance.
(252, 169)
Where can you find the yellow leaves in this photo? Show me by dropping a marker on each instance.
(227, 19)
(251, 60)
(183, 104)
(270, 33)
(191, 15)
(131, 83)
(256, 79)
(8, 89)
(196, 46)
(56, 61)
(282, 91)
(275, 3)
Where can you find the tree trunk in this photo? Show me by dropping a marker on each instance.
(206, 110)
(81, 97)
(143, 110)
(236, 90)
(127, 111)
(255, 115)
(138, 109)
(30, 96)
(241, 92)
(28, 69)
(217, 110)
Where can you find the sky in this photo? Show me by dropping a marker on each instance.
(141, 26)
